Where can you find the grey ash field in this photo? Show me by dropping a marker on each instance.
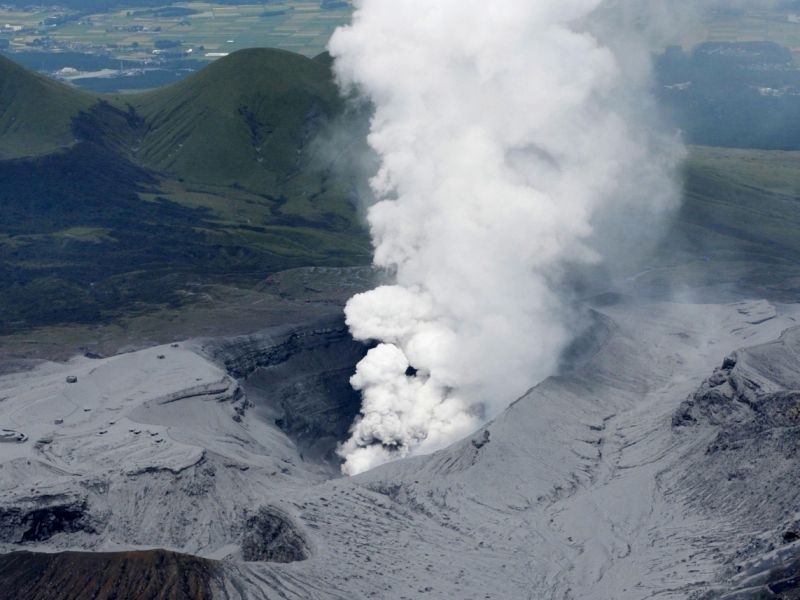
(661, 462)
(195, 446)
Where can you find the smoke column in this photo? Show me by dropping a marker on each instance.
(514, 144)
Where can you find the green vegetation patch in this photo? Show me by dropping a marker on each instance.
(245, 120)
(35, 112)
(214, 180)
(739, 225)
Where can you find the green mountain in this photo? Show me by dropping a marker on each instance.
(35, 112)
(118, 205)
(109, 203)
(244, 119)
(738, 227)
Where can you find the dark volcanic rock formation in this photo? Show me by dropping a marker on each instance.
(42, 518)
(155, 575)
(271, 537)
(298, 378)
(242, 355)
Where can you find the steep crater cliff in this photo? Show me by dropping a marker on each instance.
(746, 418)
(298, 379)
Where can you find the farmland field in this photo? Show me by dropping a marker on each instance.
(203, 30)
(781, 26)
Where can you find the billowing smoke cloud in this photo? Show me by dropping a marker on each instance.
(517, 139)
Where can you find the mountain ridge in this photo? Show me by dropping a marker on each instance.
(35, 111)
(118, 200)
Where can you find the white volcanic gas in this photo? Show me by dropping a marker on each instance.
(517, 139)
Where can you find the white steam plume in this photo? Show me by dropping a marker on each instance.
(513, 144)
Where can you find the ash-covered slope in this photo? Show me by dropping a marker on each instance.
(574, 492)
(745, 419)
(160, 448)
(602, 483)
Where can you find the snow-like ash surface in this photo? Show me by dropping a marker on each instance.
(659, 463)
(152, 448)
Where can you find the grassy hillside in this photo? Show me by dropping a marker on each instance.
(114, 204)
(35, 112)
(739, 226)
(244, 119)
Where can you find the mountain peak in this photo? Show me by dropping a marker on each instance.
(37, 112)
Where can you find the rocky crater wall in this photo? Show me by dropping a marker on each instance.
(298, 380)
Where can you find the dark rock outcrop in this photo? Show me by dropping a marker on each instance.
(42, 518)
(779, 580)
(272, 537)
(753, 396)
(242, 355)
(155, 575)
(298, 378)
